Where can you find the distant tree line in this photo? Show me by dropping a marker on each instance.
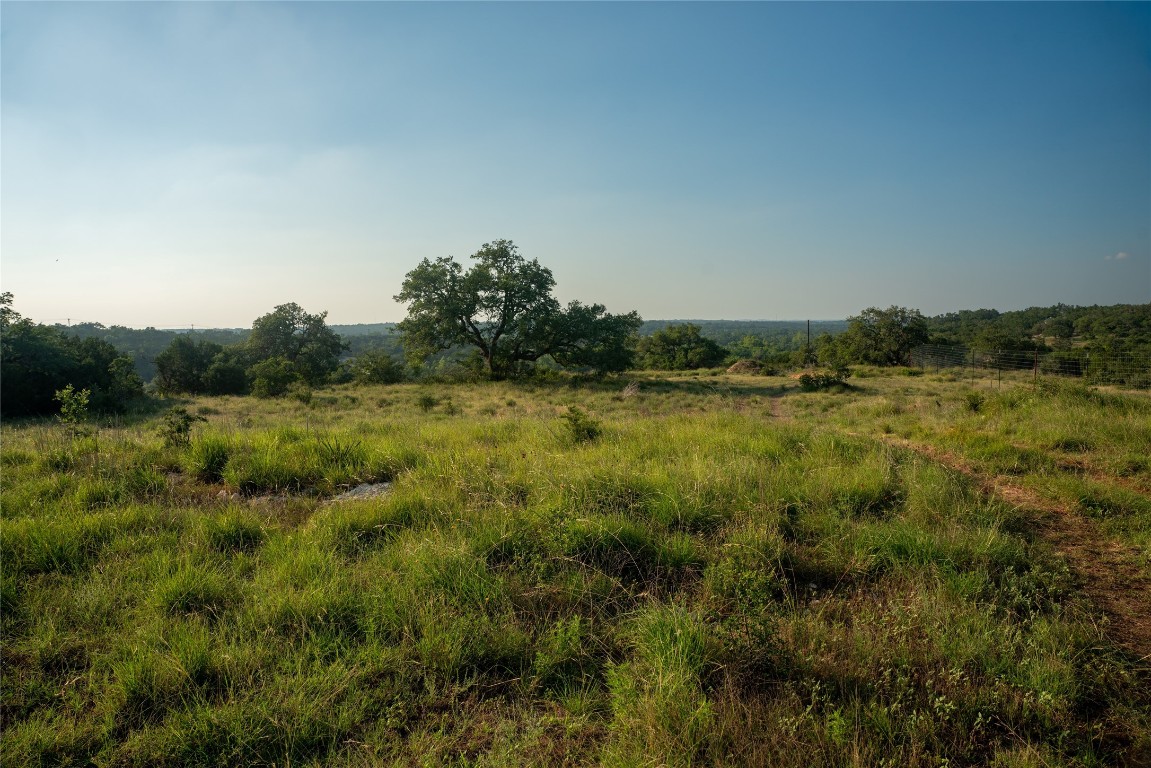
(143, 345)
(286, 348)
(1119, 328)
(38, 361)
(499, 319)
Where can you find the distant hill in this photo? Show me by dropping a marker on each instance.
(1118, 327)
(729, 331)
(364, 329)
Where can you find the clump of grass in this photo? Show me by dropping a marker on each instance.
(30, 546)
(192, 589)
(342, 459)
(354, 528)
(208, 457)
(624, 549)
(660, 711)
(142, 481)
(237, 530)
(565, 657)
(264, 467)
(748, 574)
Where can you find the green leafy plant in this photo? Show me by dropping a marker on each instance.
(176, 427)
(581, 427)
(73, 409)
(819, 380)
(273, 377)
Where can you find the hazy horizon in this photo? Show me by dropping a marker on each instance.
(174, 164)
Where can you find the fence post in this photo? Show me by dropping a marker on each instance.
(1035, 369)
(973, 366)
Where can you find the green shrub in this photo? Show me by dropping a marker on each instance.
(815, 381)
(300, 391)
(273, 377)
(377, 367)
(176, 427)
(581, 427)
(73, 409)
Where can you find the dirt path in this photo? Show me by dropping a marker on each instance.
(1108, 571)
(777, 408)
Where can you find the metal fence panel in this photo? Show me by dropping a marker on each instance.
(1092, 366)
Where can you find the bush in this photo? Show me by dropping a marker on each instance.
(273, 377)
(176, 428)
(581, 427)
(301, 391)
(678, 347)
(73, 408)
(819, 380)
(377, 367)
(225, 377)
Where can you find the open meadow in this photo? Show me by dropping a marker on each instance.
(697, 569)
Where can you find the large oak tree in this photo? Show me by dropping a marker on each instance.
(503, 306)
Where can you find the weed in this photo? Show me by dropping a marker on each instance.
(176, 427)
(581, 428)
(74, 411)
(974, 401)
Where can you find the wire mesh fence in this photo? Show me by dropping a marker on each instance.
(1091, 366)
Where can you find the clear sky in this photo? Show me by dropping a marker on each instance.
(171, 164)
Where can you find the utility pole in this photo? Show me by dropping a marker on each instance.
(809, 356)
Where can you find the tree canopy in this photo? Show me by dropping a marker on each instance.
(302, 339)
(503, 306)
(36, 361)
(884, 336)
(679, 347)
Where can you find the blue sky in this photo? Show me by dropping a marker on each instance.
(172, 164)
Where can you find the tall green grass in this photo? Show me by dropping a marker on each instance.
(698, 583)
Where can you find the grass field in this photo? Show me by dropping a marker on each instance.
(690, 570)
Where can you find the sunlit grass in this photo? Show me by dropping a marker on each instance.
(726, 570)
